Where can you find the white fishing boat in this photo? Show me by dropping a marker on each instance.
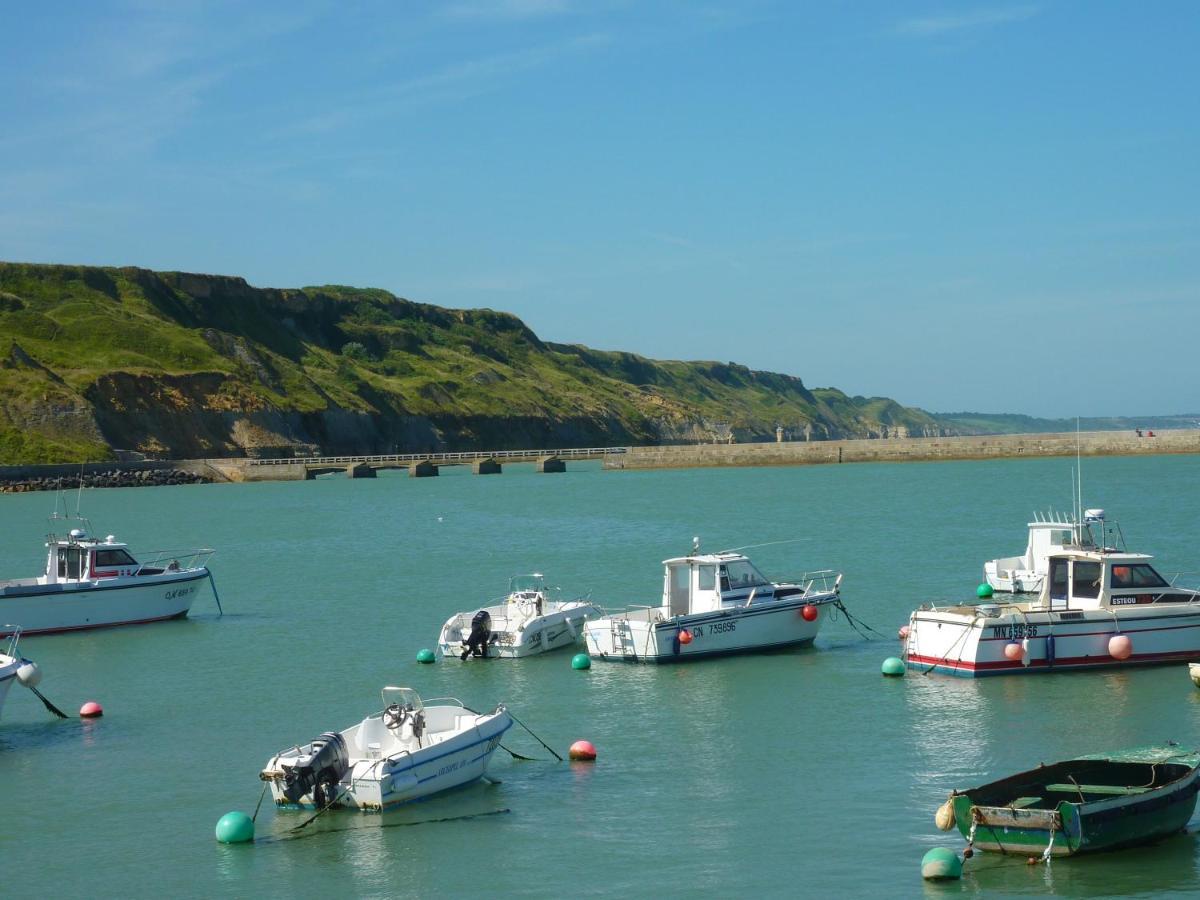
(1049, 533)
(14, 667)
(406, 751)
(715, 604)
(528, 621)
(1100, 606)
(90, 582)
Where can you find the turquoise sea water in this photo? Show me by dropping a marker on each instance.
(802, 773)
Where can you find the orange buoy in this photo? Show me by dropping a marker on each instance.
(1120, 646)
(583, 751)
(1013, 651)
(685, 637)
(809, 613)
(903, 633)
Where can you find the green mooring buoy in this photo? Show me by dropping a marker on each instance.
(425, 656)
(941, 864)
(893, 667)
(235, 828)
(983, 591)
(581, 661)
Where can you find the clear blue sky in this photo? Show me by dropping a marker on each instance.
(990, 206)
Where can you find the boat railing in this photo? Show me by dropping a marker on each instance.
(824, 580)
(175, 560)
(10, 649)
(1188, 581)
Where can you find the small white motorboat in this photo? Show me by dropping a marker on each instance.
(1100, 606)
(715, 604)
(91, 583)
(406, 751)
(526, 622)
(14, 667)
(1049, 533)
(1194, 673)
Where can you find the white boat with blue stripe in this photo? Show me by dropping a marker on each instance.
(407, 751)
(715, 604)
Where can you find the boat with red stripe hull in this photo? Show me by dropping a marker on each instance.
(1099, 607)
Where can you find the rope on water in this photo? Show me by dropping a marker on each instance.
(855, 623)
(258, 806)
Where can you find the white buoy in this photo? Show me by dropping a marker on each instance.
(29, 674)
(944, 817)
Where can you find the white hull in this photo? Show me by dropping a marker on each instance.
(69, 606)
(761, 626)
(8, 674)
(961, 641)
(559, 628)
(1194, 672)
(385, 771)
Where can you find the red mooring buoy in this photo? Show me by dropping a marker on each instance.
(584, 751)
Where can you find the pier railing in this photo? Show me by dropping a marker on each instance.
(444, 458)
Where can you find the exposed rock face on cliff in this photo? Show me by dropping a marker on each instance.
(183, 365)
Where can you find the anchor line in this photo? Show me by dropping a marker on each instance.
(855, 622)
(258, 805)
(329, 805)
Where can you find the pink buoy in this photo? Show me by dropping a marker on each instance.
(584, 751)
(1120, 646)
(91, 710)
(685, 637)
(809, 613)
(903, 633)
(1013, 651)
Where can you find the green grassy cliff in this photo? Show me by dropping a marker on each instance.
(181, 365)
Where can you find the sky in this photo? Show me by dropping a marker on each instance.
(989, 207)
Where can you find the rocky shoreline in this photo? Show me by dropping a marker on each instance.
(111, 478)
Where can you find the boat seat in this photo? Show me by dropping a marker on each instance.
(372, 734)
(1112, 789)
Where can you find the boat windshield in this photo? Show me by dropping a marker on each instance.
(520, 583)
(740, 574)
(1137, 575)
(403, 697)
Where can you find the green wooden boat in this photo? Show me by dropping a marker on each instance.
(1099, 802)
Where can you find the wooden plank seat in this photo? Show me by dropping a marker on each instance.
(1109, 789)
(1022, 802)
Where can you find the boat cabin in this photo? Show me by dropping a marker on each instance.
(78, 557)
(713, 581)
(1102, 579)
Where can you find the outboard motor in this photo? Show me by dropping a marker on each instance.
(318, 771)
(481, 632)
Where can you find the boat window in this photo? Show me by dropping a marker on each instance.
(679, 589)
(706, 578)
(742, 575)
(1086, 579)
(1058, 580)
(114, 558)
(1060, 538)
(1136, 576)
(70, 562)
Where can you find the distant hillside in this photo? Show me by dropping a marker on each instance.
(181, 365)
(1009, 423)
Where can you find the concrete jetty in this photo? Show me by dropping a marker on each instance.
(921, 449)
(775, 453)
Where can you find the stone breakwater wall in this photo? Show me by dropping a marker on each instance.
(1006, 446)
(19, 479)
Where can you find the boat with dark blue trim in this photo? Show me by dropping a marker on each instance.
(408, 750)
(715, 604)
